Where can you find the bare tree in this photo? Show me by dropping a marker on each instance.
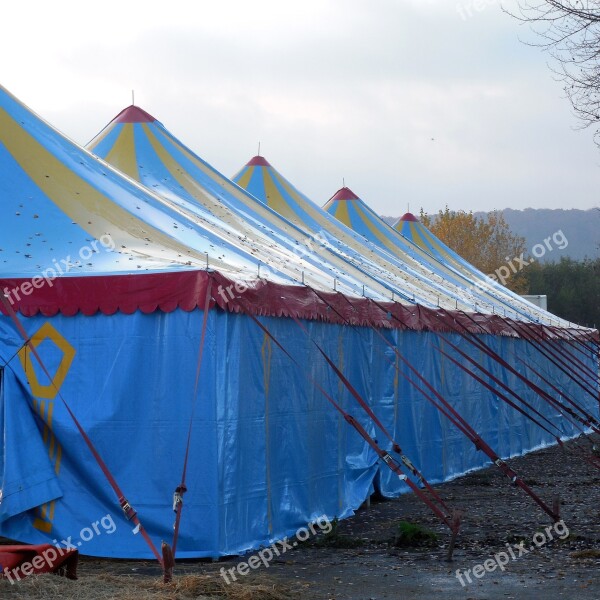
(570, 31)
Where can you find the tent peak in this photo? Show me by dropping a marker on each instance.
(134, 114)
(408, 217)
(345, 193)
(258, 161)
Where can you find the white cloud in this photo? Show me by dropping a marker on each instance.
(332, 89)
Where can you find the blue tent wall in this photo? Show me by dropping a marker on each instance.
(268, 452)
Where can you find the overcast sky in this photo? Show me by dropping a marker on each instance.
(427, 102)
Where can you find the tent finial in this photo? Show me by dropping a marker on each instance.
(258, 153)
(343, 182)
(132, 97)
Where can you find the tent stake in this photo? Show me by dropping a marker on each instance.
(168, 562)
(457, 515)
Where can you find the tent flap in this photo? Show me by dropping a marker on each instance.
(28, 477)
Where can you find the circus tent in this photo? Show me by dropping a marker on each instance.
(145, 305)
(412, 274)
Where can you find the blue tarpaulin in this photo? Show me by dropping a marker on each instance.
(268, 452)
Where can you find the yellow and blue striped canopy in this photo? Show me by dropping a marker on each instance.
(143, 148)
(405, 274)
(411, 228)
(353, 212)
(59, 201)
(411, 271)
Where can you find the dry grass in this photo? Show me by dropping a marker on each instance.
(131, 587)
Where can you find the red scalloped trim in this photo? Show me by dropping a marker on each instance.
(186, 290)
(109, 294)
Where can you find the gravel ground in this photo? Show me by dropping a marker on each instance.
(362, 561)
(496, 514)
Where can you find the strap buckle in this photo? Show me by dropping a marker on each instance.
(178, 497)
(129, 511)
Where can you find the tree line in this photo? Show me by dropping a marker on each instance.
(572, 287)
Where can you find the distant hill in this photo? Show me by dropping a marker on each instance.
(390, 220)
(581, 228)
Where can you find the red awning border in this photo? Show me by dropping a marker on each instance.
(166, 292)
